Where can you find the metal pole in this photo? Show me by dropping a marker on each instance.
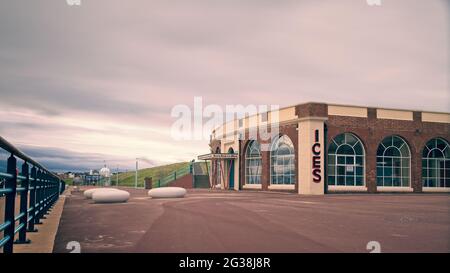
(38, 198)
(10, 202)
(24, 205)
(136, 176)
(117, 177)
(32, 214)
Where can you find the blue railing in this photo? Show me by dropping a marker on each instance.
(38, 190)
(164, 181)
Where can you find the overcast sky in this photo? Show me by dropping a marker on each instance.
(83, 84)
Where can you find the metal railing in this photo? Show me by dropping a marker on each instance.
(163, 182)
(38, 190)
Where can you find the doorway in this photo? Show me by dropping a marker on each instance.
(231, 176)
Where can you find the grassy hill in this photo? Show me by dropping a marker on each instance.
(127, 179)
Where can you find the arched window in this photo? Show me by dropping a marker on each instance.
(436, 163)
(346, 161)
(282, 167)
(393, 163)
(253, 163)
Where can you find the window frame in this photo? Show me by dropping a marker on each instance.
(333, 168)
(393, 159)
(426, 179)
(247, 158)
(291, 157)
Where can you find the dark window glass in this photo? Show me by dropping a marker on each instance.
(346, 158)
(435, 170)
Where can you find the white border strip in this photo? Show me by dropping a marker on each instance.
(281, 187)
(252, 186)
(396, 189)
(347, 188)
(435, 189)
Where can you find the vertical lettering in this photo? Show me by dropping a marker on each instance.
(316, 171)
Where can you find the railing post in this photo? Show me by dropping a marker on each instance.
(51, 191)
(44, 179)
(45, 191)
(52, 184)
(24, 205)
(37, 217)
(47, 194)
(44, 211)
(33, 200)
(58, 189)
(58, 185)
(10, 200)
(54, 191)
(44, 195)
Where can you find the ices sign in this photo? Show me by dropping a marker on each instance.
(316, 150)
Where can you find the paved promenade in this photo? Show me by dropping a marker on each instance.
(223, 221)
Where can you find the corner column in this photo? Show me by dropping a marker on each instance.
(311, 155)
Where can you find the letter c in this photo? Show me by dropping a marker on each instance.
(316, 148)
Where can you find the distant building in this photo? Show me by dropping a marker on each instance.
(91, 178)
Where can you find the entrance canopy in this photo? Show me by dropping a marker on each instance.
(219, 169)
(217, 156)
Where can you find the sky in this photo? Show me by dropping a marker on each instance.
(83, 85)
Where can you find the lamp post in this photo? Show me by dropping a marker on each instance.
(136, 176)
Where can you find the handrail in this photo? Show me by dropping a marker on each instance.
(38, 190)
(181, 172)
(5, 145)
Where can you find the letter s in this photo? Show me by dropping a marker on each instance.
(317, 177)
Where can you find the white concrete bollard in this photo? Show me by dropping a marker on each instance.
(88, 193)
(167, 192)
(117, 196)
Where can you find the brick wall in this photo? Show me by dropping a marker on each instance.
(288, 129)
(371, 131)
